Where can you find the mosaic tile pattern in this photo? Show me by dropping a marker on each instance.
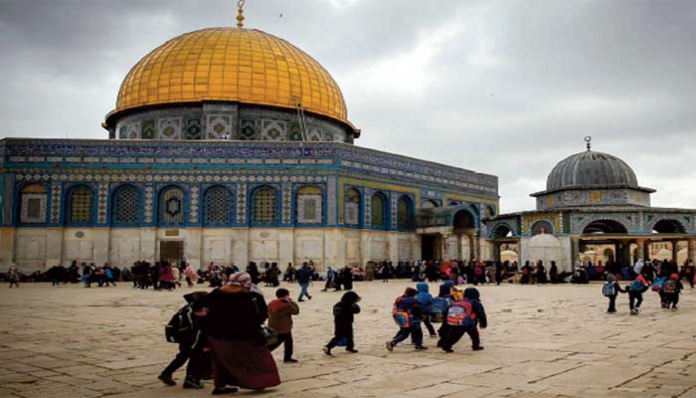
(169, 128)
(218, 127)
(241, 202)
(56, 192)
(287, 204)
(194, 131)
(102, 203)
(194, 204)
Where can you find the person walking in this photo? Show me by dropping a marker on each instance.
(635, 293)
(236, 312)
(426, 300)
(611, 290)
(407, 313)
(13, 276)
(344, 315)
(280, 312)
(192, 342)
(304, 277)
(464, 316)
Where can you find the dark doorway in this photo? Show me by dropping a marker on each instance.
(429, 247)
(172, 251)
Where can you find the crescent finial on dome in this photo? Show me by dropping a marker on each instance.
(240, 13)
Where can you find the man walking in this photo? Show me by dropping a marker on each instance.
(304, 276)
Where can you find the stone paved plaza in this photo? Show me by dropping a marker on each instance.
(543, 341)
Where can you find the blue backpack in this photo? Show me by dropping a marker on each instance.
(438, 310)
(636, 285)
(609, 289)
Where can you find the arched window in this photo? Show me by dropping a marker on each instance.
(264, 206)
(309, 205)
(171, 206)
(126, 205)
(542, 227)
(33, 202)
(80, 206)
(463, 220)
(218, 207)
(351, 207)
(404, 214)
(379, 210)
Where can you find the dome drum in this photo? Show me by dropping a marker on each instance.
(225, 121)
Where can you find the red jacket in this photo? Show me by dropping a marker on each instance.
(280, 314)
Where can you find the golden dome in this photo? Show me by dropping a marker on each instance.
(231, 64)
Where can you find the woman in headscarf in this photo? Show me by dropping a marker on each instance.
(236, 312)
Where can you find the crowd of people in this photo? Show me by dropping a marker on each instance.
(235, 351)
(662, 277)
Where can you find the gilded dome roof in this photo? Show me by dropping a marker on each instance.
(591, 169)
(231, 64)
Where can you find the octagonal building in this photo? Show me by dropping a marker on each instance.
(230, 145)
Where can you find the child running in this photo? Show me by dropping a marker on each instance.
(344, 314)
(671, 289)
(635, 293)
(463, 316)
(407, 314)
(280, 312)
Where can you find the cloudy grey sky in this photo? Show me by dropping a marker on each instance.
(506, 87)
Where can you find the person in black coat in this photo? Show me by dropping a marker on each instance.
(347, 278)
(192, 342)
(344, 314)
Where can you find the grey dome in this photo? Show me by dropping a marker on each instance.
(591, 169)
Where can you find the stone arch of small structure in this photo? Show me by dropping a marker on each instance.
(501, 230)
(604, 226)
(547, 226)
(668, 226)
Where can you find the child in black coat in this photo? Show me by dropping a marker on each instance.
(344, 314)
(612, 286)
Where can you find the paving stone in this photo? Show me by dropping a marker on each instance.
(98, 342)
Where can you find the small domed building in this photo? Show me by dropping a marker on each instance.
(592, 203)
(230, 145)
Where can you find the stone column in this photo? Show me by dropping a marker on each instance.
(575, 250)
(646, 249)
(641, 248)
(675, 249)
(691, 249)
(193, 246)
(459, 247)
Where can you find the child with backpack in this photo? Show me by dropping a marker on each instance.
(635, 293)
(186, 328)
(463, 316)
(407, 313)
(610, 290)
(344, 314)
(280, 312)
(671, 290)
(426, 300)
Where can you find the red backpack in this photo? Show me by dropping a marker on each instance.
(461, 313)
